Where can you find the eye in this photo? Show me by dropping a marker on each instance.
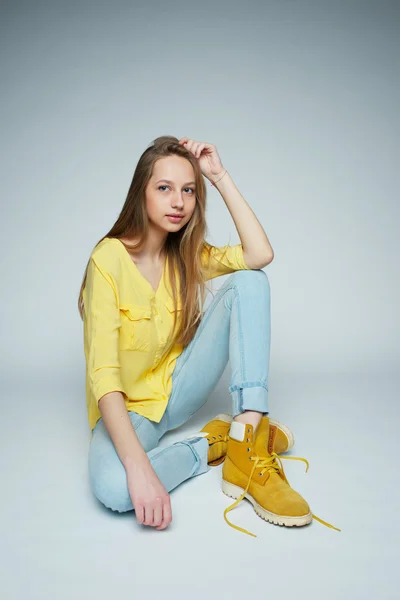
(165, 186)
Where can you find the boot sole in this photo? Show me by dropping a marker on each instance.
(286, 431)
(234, 491)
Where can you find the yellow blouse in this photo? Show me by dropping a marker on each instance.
(127, 327)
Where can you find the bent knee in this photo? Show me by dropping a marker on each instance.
(110, 488)
(251, 277)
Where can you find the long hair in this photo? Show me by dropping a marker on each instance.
(183, 248)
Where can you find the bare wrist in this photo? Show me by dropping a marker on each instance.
(135, 463)
(217, 177)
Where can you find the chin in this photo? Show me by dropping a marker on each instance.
(169, 227)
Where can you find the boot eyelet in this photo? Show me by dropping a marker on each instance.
(214, 438)
(248, 449)
(248, 431)
(220, 436)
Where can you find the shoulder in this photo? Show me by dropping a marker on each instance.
(206, 248)
(106, 254)
(216, 252)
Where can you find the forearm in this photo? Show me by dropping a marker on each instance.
(118, 424)
(255, 242)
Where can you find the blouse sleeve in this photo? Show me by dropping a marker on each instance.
(221, 260)
(102, 323)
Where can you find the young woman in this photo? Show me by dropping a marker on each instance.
(153, 355)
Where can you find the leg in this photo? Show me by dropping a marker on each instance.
(235, 326)
(173, 464)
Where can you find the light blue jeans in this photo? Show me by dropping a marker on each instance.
(235, 327)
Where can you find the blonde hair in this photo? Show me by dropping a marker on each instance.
(183, 248)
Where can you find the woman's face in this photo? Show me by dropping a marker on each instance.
(171, 190)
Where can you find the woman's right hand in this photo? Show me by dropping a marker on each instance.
(150, 499)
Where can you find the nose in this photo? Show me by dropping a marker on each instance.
(178, 202)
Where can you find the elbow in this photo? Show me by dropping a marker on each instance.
(258, 262)
(265, 261)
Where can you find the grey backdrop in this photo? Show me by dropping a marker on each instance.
(301, 99)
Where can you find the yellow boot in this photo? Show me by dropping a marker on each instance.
(251, 471)
(217, 433)
(280, 438)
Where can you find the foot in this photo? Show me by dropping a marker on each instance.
(251, 471)
(280, 438)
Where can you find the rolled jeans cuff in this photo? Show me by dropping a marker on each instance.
(249, 396)
(199, 448)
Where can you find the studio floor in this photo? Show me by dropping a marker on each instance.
(59, 542)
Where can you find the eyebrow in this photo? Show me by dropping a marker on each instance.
(168, 181)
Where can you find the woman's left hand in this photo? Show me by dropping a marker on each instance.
(209, 160)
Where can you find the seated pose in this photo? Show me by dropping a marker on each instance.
(154, 355)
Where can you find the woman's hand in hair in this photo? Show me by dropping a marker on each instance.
(150, 499)
(208, 157)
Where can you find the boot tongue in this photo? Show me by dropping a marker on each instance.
(262, 438)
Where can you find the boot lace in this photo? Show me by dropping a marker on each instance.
(271, 464)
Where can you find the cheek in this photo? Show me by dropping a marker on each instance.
(193, 206)
(153, 206)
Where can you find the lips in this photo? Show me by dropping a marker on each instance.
(177, 216)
